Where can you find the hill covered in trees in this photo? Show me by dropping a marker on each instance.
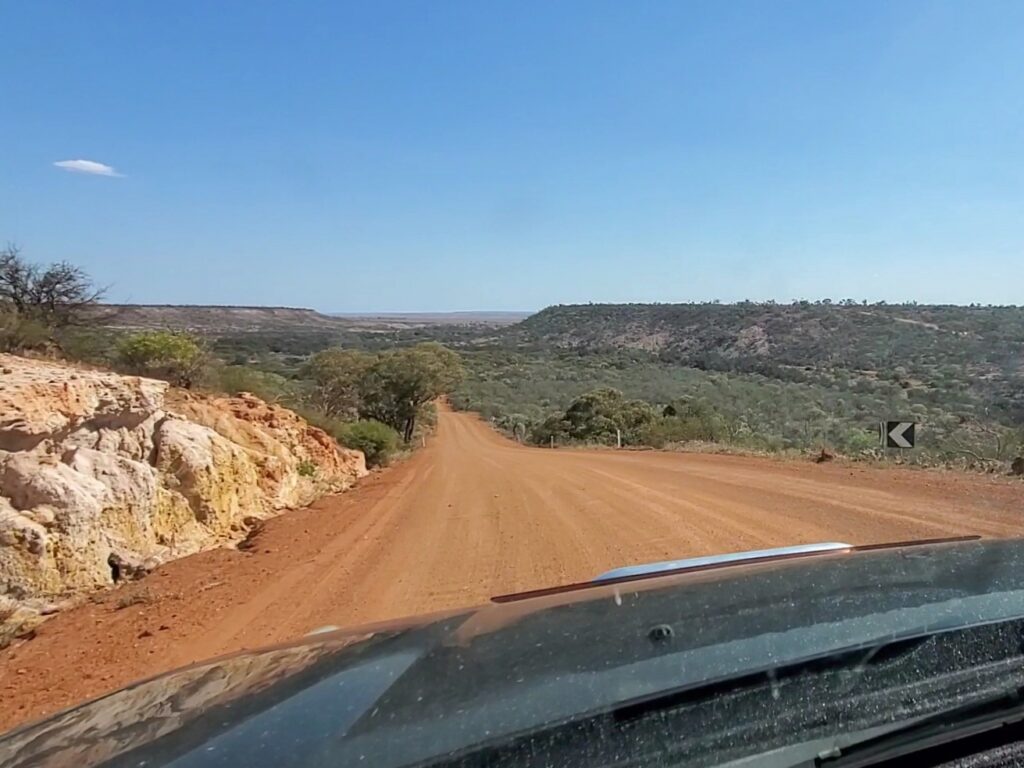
(769, 376)
(976, 351)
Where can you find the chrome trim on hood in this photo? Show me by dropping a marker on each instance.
(732, 557)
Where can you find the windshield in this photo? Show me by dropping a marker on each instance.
(315, 316)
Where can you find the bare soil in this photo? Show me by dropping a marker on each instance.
(471, 516)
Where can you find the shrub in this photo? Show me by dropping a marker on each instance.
(175, 357)
(306, 468)
(597, 417)
(515, 424)
(377, 441)
(488, 411)
(552, 428)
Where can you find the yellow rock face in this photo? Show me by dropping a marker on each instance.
(101, 476)
(279, 441)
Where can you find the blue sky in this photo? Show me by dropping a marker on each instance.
(482, 155)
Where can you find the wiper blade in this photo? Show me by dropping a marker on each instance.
(979, 718)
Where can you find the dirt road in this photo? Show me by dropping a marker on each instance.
(471, 516)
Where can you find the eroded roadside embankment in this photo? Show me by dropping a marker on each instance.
(103, 477)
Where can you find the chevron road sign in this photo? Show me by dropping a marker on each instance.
(897, 434)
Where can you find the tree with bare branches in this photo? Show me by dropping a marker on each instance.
(56, 295)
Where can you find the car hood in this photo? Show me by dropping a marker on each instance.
(405, 692)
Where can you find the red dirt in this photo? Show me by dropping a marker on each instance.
(471, 516)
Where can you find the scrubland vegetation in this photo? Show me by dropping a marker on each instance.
(798, 377)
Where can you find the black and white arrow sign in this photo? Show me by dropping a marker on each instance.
(898, 434)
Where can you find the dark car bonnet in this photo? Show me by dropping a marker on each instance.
(402, 693)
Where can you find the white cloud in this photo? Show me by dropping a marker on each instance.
(87, 166)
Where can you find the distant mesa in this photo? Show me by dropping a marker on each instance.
(209, 318)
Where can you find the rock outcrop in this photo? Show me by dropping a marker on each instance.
(103, 476)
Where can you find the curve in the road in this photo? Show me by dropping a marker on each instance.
(471, 516)
(475, 515)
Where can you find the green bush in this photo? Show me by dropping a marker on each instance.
(599, 416)
(377, 441)
(306, 468)
(515, 424)
(552, 428)
(175, 357)
(685, 419)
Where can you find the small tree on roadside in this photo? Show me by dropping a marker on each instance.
(337, 376)
(401, 381)
(392, 387)
(175, 357)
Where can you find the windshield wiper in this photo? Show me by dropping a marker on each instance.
(976, 726)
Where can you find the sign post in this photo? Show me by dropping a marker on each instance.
(897, 434)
